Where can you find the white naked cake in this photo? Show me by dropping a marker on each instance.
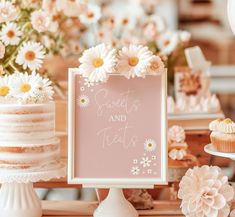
(27, 122)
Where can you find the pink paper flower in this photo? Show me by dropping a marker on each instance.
(176, 134)
(42, 22)
(2, 50)
(49, 6)
(71, 8)
(205, 192)
(7, 11)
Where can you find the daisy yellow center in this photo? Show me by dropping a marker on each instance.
(98, 62)
(30, 55)
(10, 34)
(150, 145)
(25, 88)
(166, 42)
(83, 100)
(133, 61)
(4, 90)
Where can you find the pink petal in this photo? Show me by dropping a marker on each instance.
(219, 202)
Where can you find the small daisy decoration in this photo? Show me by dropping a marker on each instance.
(150, 145)
(134, 61)
(88, 83)
(145, 162)
(83, 101)
(135, 171)
(10, 34)
(98, 62)
(31, 55)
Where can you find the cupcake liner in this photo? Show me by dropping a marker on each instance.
(223, 145)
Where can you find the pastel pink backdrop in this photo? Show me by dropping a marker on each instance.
(135, 103)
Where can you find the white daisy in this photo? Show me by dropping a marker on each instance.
(149, 171)
(44, 90)
(4, 86)
(88, 83)
(134, 61)
(25, 86)
(98, 62)
(10, 34)
(31, 55)
(157, 65)
(150, 145)
(154, 157)
(7, 12)
(135, 171)
(83, 101)
(146, 162)
(167, 42)
(92, 15)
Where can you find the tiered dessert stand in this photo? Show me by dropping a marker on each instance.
(210, 149)
(17, 195)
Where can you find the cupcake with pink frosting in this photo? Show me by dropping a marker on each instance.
(179, 159)
(223, 135)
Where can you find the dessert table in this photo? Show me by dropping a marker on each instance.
(85, 209)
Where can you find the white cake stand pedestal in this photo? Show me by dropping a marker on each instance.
(210, 149)
(115, 205)
(17, 195)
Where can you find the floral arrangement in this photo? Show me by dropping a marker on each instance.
(30, 30)
(97, 63)
(134, 22)
(205, 192)
(25, 88)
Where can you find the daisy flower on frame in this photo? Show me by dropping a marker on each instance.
(7, 11)
(98, 62)
(88, 83)
(167, 42)
(10, 34)
(150, 145)
(134, 61)
(31, 55)
(156, 66)
(145, 162)
(92, 15)
(4, 86)
(83, 101)
(135, 171)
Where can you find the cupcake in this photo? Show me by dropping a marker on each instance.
(223, 135)
(179, 159)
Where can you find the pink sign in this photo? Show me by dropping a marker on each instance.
(117, 131)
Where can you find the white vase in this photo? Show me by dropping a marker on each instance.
(19, 200)
(231, 14)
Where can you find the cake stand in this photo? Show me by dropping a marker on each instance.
(17, 195)
(210, 149)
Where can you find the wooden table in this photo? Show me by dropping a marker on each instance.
(86, 209)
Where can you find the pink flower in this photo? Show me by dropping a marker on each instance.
(49, 6)
(2, 50)
(176, 134)
(71, 8)
(42, 22)
(205, 192)
(157, 65)
(7, 11)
